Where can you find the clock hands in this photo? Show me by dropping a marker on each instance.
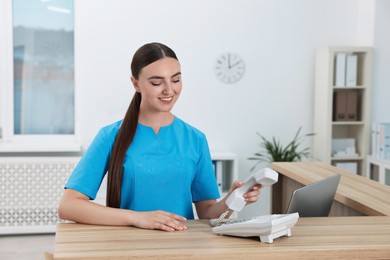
(235, 64)
(230, 60)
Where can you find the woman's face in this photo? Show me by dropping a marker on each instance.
(159, 84)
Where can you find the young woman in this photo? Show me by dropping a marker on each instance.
(157, 164)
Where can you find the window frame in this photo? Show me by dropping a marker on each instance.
(9, 142)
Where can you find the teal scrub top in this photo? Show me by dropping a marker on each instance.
(165, 171)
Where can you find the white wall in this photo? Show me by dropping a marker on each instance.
(277, 39)
(381, 62)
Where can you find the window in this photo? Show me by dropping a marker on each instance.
(37, 86)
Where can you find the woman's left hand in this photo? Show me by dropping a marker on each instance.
(252, 195)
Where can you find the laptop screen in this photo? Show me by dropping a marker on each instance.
(316, 199)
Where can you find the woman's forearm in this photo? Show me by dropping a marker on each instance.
(210, 209)
(85, 211)
(75, 206)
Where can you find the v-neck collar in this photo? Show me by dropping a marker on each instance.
(162, 128)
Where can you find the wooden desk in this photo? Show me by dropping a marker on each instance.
(312, 238)
(355, 194)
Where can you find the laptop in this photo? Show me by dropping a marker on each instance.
(316, 199)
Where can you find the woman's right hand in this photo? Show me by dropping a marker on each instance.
(158, 220)
(77, 207)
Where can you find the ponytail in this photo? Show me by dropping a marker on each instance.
(122, 143)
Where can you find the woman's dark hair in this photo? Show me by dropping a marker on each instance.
(144, 56)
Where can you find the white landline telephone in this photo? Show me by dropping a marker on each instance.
(267, 227)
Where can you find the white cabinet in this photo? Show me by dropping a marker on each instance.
(378, 169)
(332, 99)
(226, 170)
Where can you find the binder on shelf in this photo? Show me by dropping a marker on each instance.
(351, 70)
(345, 106)
(214, 166)
(340, 108)
(380, 146)
(374, 138)
(352, 106)
(384, 144)
(340, 70)
(218, 169)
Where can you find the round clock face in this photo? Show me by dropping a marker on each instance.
(229, 67)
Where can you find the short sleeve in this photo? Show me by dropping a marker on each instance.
(204, 186)
(89, 172)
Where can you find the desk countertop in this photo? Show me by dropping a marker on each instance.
(359, 193)
(312, 238)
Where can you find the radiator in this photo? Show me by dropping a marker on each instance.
(30, 190)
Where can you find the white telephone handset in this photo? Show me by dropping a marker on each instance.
(267, 227)
(265, 176)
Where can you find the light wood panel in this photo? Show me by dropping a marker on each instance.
(312, 238)
(356, 193)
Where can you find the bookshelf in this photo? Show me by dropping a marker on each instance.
(342, 110)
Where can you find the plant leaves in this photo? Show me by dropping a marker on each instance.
(273, 151)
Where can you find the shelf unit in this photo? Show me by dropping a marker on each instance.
(378, 169)
(226, 170)
(326, 128)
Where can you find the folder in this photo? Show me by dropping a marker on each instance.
(374, 140)
(219, 175)
(384, 141)
(345, 106)
(351, 70)
(352, 106)
(340, 108)
(340, 71)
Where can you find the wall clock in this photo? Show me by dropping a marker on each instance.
(229, 67)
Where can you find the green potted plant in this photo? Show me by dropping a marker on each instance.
(273, 150)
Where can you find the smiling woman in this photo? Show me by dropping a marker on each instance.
(157, 165)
